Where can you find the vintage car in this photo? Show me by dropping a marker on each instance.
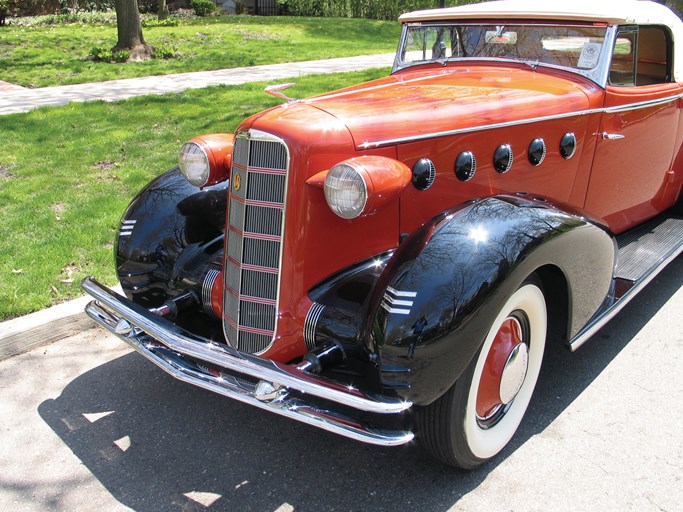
(387, 261)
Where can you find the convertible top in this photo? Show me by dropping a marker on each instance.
(613, 12)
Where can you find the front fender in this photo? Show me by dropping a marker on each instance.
(446, 283)
(168, 222)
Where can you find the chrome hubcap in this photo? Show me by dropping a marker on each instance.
(514, 373)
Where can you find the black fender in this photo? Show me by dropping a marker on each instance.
(342, 303)
(171, 231)
(444, 285)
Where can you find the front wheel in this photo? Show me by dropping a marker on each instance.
(476, 418)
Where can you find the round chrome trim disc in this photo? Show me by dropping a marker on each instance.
(514, 373)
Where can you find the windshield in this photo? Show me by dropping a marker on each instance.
(576, 47)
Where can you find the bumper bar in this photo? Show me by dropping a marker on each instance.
(169, 347)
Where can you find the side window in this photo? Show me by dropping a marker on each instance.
(641, 57)
(623, 68)
(654, 56)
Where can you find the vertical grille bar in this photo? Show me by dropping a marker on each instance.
(255, 230)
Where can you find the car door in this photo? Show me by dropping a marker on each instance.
(638, 131)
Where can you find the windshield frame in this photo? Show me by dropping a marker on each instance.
(599, 74)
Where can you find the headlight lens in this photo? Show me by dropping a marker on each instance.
(346, 192)
(194, 164)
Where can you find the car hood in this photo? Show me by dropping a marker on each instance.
(412, 105)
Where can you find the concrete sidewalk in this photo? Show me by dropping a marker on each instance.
(14, 100)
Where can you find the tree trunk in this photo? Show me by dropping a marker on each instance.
(163, 10)
(130, 31)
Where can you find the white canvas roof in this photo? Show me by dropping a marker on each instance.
(613, 12)
(603, 11)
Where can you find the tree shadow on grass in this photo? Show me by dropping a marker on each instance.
(153, 441)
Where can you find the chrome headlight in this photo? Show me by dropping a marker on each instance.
(346, 191)
(194, 164)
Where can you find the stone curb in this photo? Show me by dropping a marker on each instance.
(27, 332)
(42, 327)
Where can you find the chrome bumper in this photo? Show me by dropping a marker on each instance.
(279, 388)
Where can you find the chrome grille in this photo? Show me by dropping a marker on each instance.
(257, 195)
(263, 220)
(261, 253)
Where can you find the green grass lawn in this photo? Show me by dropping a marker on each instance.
(68, 173)
(59, 54)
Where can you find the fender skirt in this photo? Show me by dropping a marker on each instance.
(171, 232)
(446, 282)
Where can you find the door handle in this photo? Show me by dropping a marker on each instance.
(611, 136)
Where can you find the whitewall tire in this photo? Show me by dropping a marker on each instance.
(478, 416)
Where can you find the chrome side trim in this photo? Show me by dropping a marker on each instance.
(417, 138)
(127, 227)
(642, 104)
(494, 126)
(403, 299)
(594, 326)
(120, 309)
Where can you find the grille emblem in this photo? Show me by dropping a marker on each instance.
(237, 182)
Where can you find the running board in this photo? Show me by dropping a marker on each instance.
(641, 250)
(642, 253)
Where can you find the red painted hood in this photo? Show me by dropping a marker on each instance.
(431, 101)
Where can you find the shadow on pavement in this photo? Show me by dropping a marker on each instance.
(164, 440)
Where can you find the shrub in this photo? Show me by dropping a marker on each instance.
(184, 14)
(39, 7)
(147, 20)
(203, 7)
(72, 6)
(148, 6)
(376, 9)
(163, 51)
(166, 22)
(106, 55)
(55, 19)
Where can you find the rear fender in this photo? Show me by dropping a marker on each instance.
(446, 283)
